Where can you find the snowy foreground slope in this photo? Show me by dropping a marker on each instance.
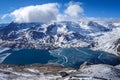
(97, 34)
(58, 72)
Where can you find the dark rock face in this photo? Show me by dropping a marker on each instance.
(63, 74)
(117, 44)
(118, 50)
(36, 35)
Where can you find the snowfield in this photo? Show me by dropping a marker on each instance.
(108, 42)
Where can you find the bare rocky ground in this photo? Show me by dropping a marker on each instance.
(58, 72)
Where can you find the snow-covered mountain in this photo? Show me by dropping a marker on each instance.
(96, 34)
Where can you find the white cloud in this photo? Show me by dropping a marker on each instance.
(74, 9)
(38, 13)
(46, 13)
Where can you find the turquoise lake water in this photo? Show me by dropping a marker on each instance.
(69, 57)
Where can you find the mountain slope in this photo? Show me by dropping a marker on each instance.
(101, 35)
(58, 72)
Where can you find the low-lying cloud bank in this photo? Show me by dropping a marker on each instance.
(47, 12)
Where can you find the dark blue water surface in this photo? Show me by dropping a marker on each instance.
(69, 57)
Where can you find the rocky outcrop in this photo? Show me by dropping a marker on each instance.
(118, 49)
(117, 45)
(58, 72)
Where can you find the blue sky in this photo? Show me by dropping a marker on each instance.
(92, 8)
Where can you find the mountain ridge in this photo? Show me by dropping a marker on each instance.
(64, 34)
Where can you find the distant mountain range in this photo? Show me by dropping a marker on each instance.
(96, 34)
